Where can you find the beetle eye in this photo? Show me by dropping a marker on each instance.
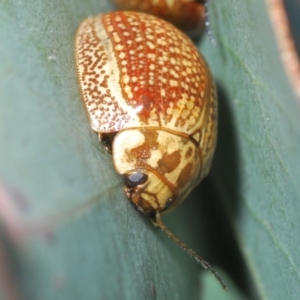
(136, 179)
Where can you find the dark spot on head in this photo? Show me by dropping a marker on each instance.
(185, 175)
(169, 162)
(143, 152)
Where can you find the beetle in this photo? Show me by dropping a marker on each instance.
(151, 98)
(188, 15)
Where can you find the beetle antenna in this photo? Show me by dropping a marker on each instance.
(191, 252)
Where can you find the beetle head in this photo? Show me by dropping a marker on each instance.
(147, 191)
(160, 167)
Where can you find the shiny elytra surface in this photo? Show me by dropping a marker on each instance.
(137, 70)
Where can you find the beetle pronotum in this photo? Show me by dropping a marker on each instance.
(151, 98)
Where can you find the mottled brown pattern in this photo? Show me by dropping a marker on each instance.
(185, 175)
(137, 69)
(186, 15)
(143, 152)
(169, 162)
(91, 60)
(163, 72)
(188, 153)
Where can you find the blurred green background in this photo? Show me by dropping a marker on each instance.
(67, 231)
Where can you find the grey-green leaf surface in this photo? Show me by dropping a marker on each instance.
(78, 237)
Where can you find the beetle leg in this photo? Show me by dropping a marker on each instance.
(152, 218)
(104, 139)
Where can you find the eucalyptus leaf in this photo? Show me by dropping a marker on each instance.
(79, 237)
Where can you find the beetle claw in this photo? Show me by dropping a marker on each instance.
(104, 139)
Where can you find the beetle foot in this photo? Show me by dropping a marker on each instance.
(105, 140)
